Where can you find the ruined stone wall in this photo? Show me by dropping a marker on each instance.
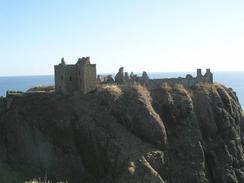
(77, 77)
(59, 82)
(82, 77)
(71, 78)
(188, 81)
(66, 78)
(88, 78)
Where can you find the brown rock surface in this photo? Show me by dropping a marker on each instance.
(125, 134)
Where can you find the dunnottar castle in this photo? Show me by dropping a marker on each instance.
(82, 77)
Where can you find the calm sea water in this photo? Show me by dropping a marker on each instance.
(23, 83)
(234, 80)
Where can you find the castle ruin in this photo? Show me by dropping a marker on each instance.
(123, 77)
(77, 77)
(82, 77)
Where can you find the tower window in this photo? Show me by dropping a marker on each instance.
(70, 78)
(62, 77)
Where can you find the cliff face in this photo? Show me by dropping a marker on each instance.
(125, 135)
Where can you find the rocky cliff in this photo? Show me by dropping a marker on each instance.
(124, 134)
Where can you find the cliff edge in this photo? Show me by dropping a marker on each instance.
(124, 134)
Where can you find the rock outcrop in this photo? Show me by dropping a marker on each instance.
(125, 134)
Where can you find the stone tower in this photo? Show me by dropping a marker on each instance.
(209, 76)
(77, 77)
(87, 77)
(199, 72)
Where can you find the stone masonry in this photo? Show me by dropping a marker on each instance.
(123, 77)
(77, 77)
(82, 77)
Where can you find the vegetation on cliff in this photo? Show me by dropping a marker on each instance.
(50, 88)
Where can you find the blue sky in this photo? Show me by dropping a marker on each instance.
(151, 35)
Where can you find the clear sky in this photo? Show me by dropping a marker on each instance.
(151, 35)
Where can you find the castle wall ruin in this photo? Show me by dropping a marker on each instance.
(82, 77)
(78, 77)
(188, 81)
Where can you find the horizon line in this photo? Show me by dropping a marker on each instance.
(106, 73)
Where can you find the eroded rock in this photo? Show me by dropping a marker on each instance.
(125, 134)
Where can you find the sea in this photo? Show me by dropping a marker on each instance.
(234, 80)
